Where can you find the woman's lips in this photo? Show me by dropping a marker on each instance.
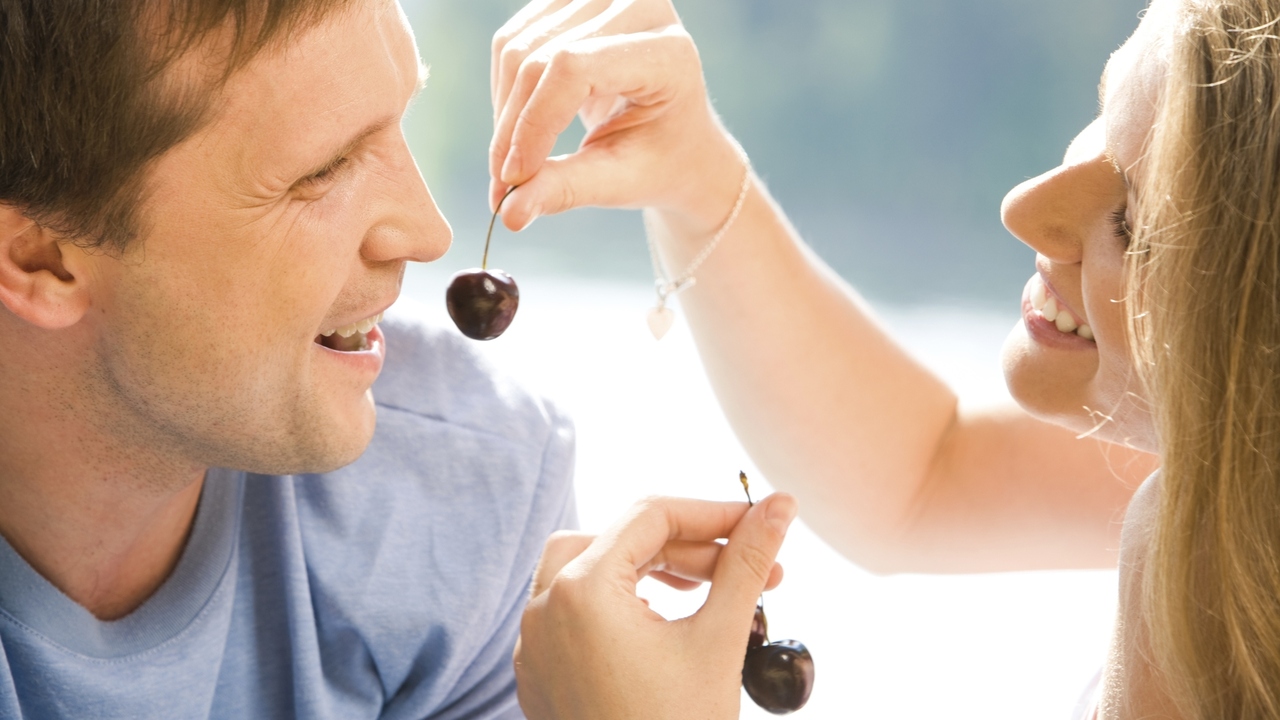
(1049, 321)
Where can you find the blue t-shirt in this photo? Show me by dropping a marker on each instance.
(392, 588)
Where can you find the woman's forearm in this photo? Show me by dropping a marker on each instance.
(829, 406)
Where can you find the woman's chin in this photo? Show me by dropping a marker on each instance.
(1049, 388)
(1073, 396)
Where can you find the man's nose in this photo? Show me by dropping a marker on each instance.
(409, 225)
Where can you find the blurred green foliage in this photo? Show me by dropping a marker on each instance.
(890, 130)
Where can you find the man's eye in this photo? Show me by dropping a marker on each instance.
(325, 175)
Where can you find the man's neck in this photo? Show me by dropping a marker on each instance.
(102, 516)
(107, 549)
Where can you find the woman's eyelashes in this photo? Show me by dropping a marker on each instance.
(1120, 224)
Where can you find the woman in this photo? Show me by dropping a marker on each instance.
(1150, 335)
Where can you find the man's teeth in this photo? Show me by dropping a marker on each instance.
(362, 327)
(1047, 306)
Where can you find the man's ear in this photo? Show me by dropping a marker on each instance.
(39, 282)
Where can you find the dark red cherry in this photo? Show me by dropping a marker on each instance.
(482, 303)
(779, 676)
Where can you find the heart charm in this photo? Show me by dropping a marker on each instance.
(660, 319)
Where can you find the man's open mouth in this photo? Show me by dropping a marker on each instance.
(349, 338)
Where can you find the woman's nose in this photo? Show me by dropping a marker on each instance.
(1055, 212)
(410, 226)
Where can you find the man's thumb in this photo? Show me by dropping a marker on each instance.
(745, 564)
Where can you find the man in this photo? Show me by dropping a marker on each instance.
(205, 208)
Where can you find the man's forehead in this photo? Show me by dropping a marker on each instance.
(327, 87)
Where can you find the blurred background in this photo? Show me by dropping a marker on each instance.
(890, 131)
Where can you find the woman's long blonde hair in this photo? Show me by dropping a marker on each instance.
(1205, 299)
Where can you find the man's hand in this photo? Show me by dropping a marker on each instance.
(632, 73)
(590, 648)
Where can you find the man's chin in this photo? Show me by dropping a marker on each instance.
(318, 450)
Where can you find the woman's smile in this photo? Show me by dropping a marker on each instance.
(1050, 320)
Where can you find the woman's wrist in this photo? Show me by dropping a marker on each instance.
(699, 208)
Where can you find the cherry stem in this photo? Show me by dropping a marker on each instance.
(746, 488)
(484, 262)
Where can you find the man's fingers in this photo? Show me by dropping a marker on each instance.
(694, 563)
(746, 564)
(674, 581)
(672, 536)
(631, 545)
(682, 564)
(561, 548)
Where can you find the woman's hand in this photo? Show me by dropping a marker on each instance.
(632, 73)
(590, 648)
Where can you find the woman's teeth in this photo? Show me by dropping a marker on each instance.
(1048, 307)
(362, 327)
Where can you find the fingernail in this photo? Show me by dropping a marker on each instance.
(782, 510)
(511, 168)
(533, 215)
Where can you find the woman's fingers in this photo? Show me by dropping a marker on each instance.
(560, 549)
(745, 566)
(523, 18)
(588, 177)
(614, 167)
(642, 68)
(630, 70)
(551, 87)
(562, 21)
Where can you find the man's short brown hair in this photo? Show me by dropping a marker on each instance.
(86, 99)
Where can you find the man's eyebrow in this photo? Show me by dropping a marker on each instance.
(372, 129)
(333, 158)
